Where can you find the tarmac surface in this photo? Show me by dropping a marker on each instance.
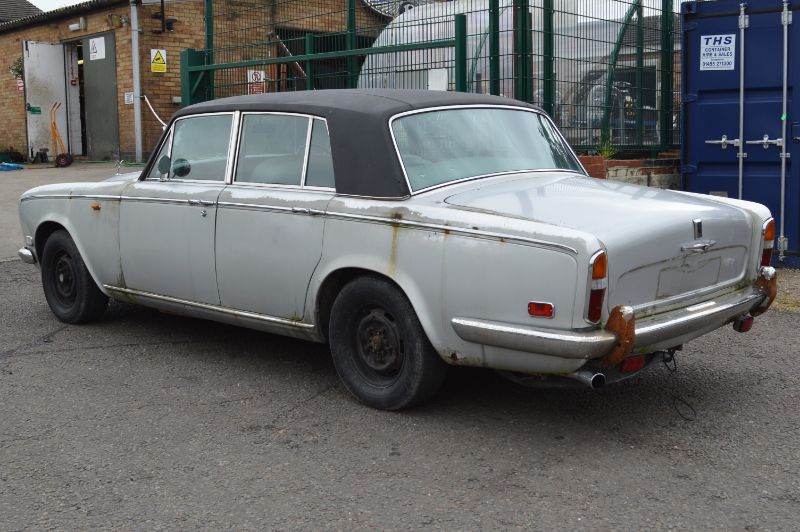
(145, 420)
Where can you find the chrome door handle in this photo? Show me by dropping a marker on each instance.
(724, 142)
(201, 202)
(300, 210)
(766, 142)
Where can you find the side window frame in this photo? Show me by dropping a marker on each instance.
(237, 151)
(170, 138)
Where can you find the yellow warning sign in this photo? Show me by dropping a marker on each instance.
(158, 60)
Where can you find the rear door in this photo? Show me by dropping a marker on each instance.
(44, 91)
(100, 97)
(713, 48)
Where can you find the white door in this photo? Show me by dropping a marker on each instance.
(44, 87)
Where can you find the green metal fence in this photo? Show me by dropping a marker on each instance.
(604, 70)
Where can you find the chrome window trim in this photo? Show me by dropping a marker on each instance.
(542, 114)
(270, 208)
(104, 197)
(214, 308)
(171, 137)
(449, 229)
(302, 185)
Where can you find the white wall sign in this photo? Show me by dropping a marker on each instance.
(97, 48)
(129, 98)
(718, 52)
(255, 81)
(437, 79)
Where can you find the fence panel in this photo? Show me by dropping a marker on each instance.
(605, 71)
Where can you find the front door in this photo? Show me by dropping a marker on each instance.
(167, 219)
(713, 144)
(45, 96)
(270, 223)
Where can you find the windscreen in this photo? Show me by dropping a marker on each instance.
(448, 145)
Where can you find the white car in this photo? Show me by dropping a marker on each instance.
(410, 230)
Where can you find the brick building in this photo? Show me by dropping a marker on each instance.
(48, 59)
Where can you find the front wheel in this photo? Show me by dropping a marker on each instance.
(379, 348)
(69, 288)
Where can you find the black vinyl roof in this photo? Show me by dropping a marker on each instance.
(364, 160)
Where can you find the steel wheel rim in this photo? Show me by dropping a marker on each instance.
(379, 349)
(66, 288)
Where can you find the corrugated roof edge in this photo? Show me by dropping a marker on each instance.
(56, 14)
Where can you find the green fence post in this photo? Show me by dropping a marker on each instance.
(522, 24)
(309, 63)
(667, 58)
(193, 83)
(494, 47)
(209, 44)
(548, 51)
(352, 62)
(461, 52)
(639, 75)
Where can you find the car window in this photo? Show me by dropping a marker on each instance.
(200, 148)
(442, 146)
(320, 162)
(272, 149)
(155, 172)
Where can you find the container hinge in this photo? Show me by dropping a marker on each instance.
(786, 18)
(742, 155)
(744, 21)
(689, 97)
(783, 244)
(688, 169)
(786, 155)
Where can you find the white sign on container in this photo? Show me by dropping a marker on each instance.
(97, 48)
(718, 52)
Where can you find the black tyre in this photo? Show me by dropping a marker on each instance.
(70, 290)
(379, 348)
(63, 160)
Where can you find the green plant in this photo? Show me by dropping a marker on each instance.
(606, 149)
(16, 68)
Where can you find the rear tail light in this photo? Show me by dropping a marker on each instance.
(768, 242)
(598, 279)
(632, 364)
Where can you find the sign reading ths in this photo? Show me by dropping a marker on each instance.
(158, 60)
(717, 52)
(97, 48)
(256, 81)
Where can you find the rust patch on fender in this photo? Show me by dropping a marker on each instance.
(771, 289)
(393, 252)
(623, 325)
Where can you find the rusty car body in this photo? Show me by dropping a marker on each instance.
(411, 230)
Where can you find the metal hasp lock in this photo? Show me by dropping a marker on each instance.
(766, 142)
(724, 142)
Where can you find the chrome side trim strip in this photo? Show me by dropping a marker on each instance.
(169, 201)
(662, 331)
(269, 208)
(460, 231)
(213, 308)
(71, 196)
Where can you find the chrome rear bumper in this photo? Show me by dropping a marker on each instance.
(661, 331)
(27, 255)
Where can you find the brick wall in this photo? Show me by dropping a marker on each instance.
(159, 87)
(661, 173)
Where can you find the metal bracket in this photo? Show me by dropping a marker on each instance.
(766, 142)
(724, 142)
(786, 18)
(783, 244)
(744, 21)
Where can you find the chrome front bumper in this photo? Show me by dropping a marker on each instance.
(27, 255)
(661, 331)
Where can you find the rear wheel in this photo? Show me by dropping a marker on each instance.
(69, 289)
(379, 348)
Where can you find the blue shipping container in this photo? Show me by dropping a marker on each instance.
(740, 64)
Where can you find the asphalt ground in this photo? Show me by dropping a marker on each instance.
(146, 420)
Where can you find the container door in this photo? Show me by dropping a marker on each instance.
(45, 95)
(713, 143)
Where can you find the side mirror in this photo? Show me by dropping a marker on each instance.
(181, 168)
(163, 165)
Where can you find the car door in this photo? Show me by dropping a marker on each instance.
(269, 222)
(167, 218)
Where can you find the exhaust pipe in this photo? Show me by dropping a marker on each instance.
(590, 379)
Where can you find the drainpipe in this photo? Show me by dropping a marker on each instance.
(137, 88)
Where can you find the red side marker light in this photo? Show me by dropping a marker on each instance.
(632, 364)
(541, 310)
